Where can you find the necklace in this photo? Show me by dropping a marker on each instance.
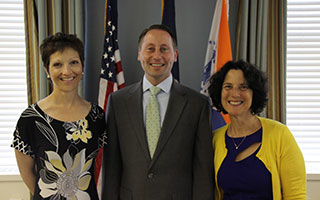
(238, 145)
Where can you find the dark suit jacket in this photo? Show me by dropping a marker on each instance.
(182, 167)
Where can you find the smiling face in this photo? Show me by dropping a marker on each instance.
(157, 55)
(236, 96)
(65, 70)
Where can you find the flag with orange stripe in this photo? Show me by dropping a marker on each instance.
(218, 53)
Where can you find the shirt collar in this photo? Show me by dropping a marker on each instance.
(165, 85)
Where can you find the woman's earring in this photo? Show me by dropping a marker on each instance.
(48, 76)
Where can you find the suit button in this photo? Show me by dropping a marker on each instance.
(150, 175)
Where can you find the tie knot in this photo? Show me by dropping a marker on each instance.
(155, 90)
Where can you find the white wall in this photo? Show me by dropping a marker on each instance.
(313, 186)
(12, 188)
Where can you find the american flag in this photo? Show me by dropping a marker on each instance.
(111, 76)
(218, 53)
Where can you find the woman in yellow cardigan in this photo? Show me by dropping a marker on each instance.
(254, 157)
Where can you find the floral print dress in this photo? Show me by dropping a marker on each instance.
(64, 152)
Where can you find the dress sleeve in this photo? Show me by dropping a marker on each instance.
(102, 126)
(21, 137)
(102, 139)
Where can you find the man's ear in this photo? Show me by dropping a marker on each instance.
(138, 58)
(176, 55)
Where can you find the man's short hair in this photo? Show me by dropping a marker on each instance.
(158, 27)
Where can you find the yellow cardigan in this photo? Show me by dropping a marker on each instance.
(280, 154)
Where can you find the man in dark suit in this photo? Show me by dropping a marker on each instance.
(178, 162)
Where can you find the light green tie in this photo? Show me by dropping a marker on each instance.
(153, 127)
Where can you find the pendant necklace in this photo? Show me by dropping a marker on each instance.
(238, 145)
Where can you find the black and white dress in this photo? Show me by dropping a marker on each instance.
(64, 152)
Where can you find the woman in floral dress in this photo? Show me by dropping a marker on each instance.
(57, 139)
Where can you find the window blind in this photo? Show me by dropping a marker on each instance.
(13, 92)
(303, 78)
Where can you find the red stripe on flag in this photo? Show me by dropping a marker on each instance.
(98, 164)
(109, 90)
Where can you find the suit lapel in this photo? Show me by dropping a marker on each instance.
(135, 112)
(176, 104)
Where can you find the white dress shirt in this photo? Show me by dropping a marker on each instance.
(162, 97)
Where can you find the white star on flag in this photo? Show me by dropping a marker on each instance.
(110, 74)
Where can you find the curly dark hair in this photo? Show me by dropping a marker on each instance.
(158, 27)
(256, 81)
(58, 42)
